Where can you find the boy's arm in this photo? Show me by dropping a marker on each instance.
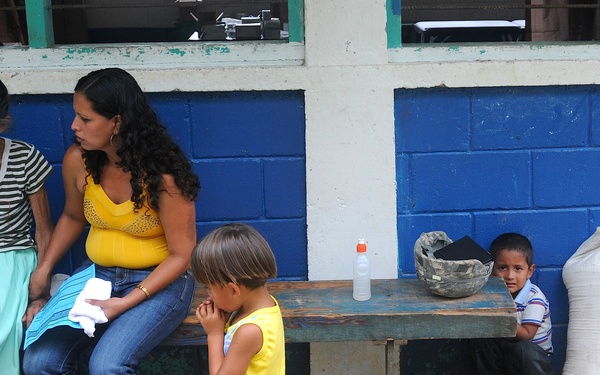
(526, 332)
(532, 317)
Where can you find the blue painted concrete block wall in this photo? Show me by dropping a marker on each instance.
(485, 161)
(246, 147)
(469, 161)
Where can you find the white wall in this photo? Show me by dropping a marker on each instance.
(349, 159)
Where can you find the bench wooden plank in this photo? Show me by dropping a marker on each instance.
(399, 309)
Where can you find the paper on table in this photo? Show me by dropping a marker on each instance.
(56, 311)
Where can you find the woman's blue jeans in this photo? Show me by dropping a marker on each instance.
(121, 343)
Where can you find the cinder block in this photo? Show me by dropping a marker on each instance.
(473, 181)
(594, 220)
(550, 282)
(287, 239)
(248, 124)
(522, 118)
(566, 178)
(39, 121)
(285, 188)
(56, 191)
(231, 190)
(403, 180)
(559, 341)
(595, 136)
(432, 120)
(174, 114)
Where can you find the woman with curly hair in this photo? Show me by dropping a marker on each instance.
(135, 187)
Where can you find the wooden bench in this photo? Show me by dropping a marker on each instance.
(399, 310)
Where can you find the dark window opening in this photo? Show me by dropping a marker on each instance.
(432, 21)
(128, 21)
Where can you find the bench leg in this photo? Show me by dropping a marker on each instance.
(392, 356)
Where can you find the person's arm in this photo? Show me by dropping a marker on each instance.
(532, 317)
(43, 232)
(69, 227)
(246, 342)
(178, 217)
(43, 220)
(213, 321)
(526, 332)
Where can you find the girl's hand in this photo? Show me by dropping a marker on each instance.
(212, 318)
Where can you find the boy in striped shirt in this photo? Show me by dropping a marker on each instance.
(528, 352)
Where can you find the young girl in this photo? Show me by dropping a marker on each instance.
(234, 262)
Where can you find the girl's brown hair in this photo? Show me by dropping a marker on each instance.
(234, 253)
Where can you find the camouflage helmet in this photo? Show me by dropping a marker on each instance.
(448, 278)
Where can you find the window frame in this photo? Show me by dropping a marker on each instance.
(42, 54)
(492, 51)
(41, 34)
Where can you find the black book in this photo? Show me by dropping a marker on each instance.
(463, 249)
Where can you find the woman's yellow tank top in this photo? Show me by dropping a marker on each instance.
(120, 237)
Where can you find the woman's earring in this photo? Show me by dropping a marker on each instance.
(111, 140)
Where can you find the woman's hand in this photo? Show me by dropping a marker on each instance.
(112, 307)
(212, 318)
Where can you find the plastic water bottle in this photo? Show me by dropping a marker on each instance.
(361, 285)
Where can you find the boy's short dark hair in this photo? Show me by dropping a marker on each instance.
(514, 242)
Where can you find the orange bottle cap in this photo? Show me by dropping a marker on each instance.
(362, 246)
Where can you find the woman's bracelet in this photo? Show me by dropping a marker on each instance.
(143, 289)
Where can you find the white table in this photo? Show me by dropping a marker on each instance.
(468, 31)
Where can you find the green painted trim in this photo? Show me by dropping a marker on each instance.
(40, 28)
(296, 20)
(393, 27)
(155, 55)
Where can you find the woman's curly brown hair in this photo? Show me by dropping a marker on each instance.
(144, 146)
